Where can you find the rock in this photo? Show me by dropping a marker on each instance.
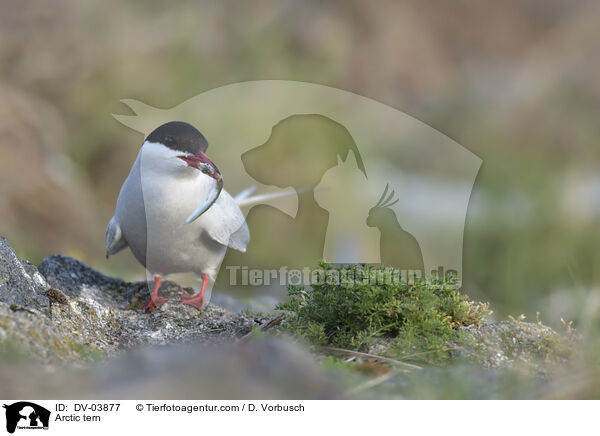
(66, 315)
(514, 344)
(105, 309)
(66, 312)
(75, 332)
(21, 285)
(266, 368)
(75, 278)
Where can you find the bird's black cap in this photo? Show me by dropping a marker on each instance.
(179, 136)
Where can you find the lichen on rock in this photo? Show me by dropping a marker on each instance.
(66, 312)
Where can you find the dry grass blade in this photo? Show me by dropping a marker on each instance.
(369, 356)
(369, 384)
(264, 327)
(410, 356)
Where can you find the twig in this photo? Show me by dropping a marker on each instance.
(372, 383)
(264, 327)
(369, 356)
(408, 356)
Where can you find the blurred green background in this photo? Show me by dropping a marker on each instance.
(515, 82)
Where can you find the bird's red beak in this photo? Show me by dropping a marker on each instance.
(202, 162)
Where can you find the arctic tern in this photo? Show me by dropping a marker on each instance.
(157, 214)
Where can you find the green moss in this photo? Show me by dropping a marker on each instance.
(357, 304)
(11, 350)
(87, 352)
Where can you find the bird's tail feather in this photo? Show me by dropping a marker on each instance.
(243, 199)
(244, 194)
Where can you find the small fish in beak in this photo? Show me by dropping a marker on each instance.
(202, 162)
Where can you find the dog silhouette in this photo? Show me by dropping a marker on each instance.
(299, 151)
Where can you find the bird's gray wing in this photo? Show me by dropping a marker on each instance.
(115, 241)
(229, 226)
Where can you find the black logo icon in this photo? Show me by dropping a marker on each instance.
(26, 415)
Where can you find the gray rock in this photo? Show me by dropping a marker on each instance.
(21, 284)
(73, 277)
(68, 313)
(57, 322)
(265, 368)
(514, 344)
(89, 341)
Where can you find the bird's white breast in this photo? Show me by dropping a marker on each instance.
(152, 206)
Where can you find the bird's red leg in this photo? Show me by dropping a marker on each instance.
(155, 300)
(198, 299)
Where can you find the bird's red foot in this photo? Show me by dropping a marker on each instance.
(152, 303)
(196, 301)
